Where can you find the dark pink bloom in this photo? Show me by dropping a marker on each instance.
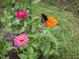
(20, 40)
(21, 14)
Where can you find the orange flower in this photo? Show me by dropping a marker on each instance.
(51, 22)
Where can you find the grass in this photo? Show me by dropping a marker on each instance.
(66, 32)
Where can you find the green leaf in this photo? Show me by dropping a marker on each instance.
(33, 29)
(11, 47)
(16, 21)
(23, 56)
(2, 43)
(25, 24)
(30, 50)
(9, 24)
(45, 31)
(47, 50)
(31, 54)
(25, 5)
(23, 27)
(35, 44)
(52, 51)
(7, 45)
(13, 1)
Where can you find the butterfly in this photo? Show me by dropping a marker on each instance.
(48, 21)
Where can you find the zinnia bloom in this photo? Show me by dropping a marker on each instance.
(21, 14)
(51, 22)
(20, 40)
(48, 21)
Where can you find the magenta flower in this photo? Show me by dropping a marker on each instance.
(20, 40)
(21, 14)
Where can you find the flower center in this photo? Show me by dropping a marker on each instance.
(21, 38)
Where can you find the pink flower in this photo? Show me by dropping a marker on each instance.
(21, 14)
(20, 40)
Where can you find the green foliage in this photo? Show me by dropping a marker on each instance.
(41, 40)
(65, 32)
(59, 41)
